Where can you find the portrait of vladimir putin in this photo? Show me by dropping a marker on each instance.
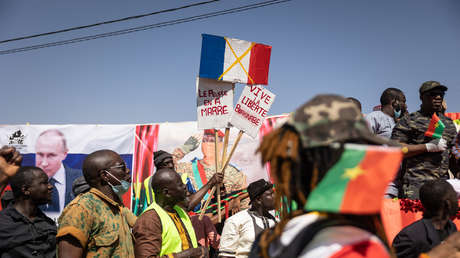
(50, 151)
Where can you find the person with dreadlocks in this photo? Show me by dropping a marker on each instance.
(301, 153)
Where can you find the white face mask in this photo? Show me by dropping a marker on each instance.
(120, 189)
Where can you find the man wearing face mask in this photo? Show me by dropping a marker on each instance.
(393, 104)
(96, 223)
(425, 158)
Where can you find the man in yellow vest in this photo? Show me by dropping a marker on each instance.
(165, 229)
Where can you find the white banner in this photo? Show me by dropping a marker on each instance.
(251, 109)
(82, 139)
(214, 103)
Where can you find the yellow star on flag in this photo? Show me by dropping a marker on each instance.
(353, 173)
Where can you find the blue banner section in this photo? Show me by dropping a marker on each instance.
(73, 160)
(212, 56)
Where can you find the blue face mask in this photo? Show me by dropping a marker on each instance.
(120, 189)
(397, 113)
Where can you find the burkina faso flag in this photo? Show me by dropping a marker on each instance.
(435, 128)
(356, 183)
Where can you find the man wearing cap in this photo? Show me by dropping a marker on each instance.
(200, 171)
(241, 229)
(425, 158)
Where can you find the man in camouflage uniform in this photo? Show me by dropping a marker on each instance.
(199, 171)
(425, 158)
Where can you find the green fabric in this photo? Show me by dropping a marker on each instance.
(439, 129)
(328, 194)
(170, 238)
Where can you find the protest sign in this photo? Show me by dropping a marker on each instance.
(214, 103)
(251, 109)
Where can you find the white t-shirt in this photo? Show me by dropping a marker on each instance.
(380, 123)
(240, 232)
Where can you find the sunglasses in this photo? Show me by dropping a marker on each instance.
(122, 166)
(436, 93)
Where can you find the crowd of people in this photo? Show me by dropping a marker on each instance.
(275, 222)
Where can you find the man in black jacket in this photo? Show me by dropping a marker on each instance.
(439, 199)
(25, 231)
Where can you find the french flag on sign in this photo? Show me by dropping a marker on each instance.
(234, 60)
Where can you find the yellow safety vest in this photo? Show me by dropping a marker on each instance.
(170, 238)
(149, 194)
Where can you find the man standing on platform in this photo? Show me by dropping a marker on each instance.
(426, 158)
(381, 122)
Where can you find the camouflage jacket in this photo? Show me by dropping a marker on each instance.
(426, 166)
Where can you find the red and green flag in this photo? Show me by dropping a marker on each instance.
(356, 183)
(455, 118)
(435, 128)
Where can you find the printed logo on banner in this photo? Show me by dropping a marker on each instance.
(251, 109)
(16, 139)
(214, 103)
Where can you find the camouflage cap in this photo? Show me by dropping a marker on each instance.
(429, 85)
(326, 119)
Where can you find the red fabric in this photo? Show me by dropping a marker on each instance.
(432, 126)
(212, 132)
(453, 116)
(379, 169)
(259, 63)
(226, 209)
(362, 249)
(7, 188)
(203, 177)
(394, 219)
(145, 144)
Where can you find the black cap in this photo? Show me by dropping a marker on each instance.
(430, 85)
(160, 156)
(257, 188)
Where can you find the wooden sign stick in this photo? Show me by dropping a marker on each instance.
(227, 161)
(216, 158)
(206, 204)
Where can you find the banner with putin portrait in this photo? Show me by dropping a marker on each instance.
(60, 150)
(63, 148)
